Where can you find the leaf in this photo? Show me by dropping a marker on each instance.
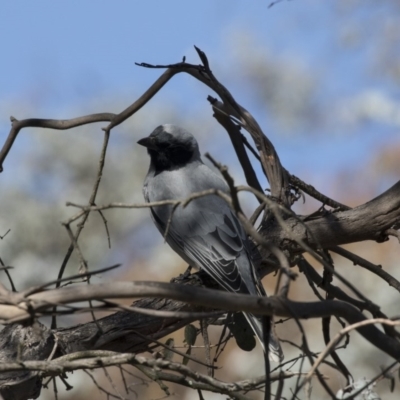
(190, 334)
(242, 332)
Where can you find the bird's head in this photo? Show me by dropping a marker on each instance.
(170, 147)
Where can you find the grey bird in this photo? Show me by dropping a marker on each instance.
(206, 233)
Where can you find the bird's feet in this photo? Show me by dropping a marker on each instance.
(187, 273)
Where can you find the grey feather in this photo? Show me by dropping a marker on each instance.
(206, 233)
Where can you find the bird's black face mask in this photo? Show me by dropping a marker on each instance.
(165, 154)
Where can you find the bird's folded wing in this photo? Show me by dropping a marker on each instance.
(213, 241)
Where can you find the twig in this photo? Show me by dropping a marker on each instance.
(59, 124)
(393, 232)
(3, 236)
(96, 359)
(174, 350)
(311, 191)
(362, 262)
(5, 269)
(309, 355)
(99, 387)
(229, 180)
(204, 333)
(74, 238)
(343, 332)
(327, 279)
(236, 138)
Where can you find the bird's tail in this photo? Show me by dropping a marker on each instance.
(275, 351)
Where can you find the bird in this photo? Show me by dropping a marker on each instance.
(206, 233)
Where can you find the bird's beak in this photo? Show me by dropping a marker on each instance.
(148, 142)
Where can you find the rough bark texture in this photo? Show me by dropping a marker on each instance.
(121, 332)
(368, 221)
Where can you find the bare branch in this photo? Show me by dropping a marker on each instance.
(40, 302)
(343, 332)
(368, 221)
(97, 359)
(59, 124)
(375, 269)
(269, 158)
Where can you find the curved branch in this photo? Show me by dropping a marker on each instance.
(375, 269)
(237, 143)
(143, 99)
(273, 168)
(59, 124)
(62, 124)
(368, 221)
(276, 174)
(274, 305)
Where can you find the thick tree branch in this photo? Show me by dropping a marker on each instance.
(39, 303)
(118, 331)
(368, 221)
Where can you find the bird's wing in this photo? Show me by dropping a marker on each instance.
(209, 236)
(207, 233)
(217, 243)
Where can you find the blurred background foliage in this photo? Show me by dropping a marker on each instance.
(322, 79)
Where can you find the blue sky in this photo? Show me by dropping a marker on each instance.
(62, 55)
(64, 43)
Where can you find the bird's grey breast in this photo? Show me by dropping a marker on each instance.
(181, 183)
